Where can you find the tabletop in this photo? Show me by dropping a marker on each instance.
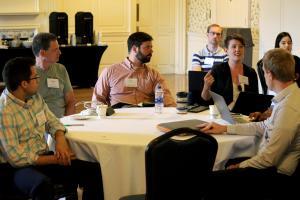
(118, 143)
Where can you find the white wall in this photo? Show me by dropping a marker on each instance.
(274, 16)
(277, 16)
(115, 19)
(23, 14)
(112, 18)
(202, 13)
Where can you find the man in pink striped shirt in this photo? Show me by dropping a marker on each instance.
(132, 82)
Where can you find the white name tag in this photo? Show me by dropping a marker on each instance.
(131, 82)
(209, 61)
(52, 83)
(41, 118)
(243, 80)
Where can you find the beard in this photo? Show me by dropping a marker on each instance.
(143, 58)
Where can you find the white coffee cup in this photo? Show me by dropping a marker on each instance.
(101, 110)
(90, 107)
(213, 111)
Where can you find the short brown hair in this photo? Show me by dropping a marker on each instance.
(17, 70)
(42, 41)
(137, 38)
(234, 36)
(214, 25)
(280, 63)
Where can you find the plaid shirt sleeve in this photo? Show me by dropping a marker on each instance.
(53, 124)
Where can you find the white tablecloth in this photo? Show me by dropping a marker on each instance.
(118, 142)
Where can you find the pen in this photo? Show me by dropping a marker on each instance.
(73, 124)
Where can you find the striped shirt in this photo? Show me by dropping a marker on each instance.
(22, 129)
(206, 59)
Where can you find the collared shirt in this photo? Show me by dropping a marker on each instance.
(55, 96)
(206, 59)
(111, 86)
(280, 134)
(22, 129)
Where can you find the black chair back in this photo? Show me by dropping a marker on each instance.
(176, 167)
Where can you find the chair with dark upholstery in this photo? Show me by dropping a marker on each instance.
(177, 166)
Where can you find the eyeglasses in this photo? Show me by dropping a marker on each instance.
(214, 33)
(37, 77)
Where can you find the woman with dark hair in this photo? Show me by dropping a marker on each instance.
(230, 78)
(284, 41)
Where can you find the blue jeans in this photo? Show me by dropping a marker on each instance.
(38, 182)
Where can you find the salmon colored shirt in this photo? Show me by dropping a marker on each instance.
(111, 86)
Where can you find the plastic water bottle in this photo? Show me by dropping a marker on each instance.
(159, 98)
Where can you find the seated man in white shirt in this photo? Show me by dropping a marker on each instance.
(279, 149)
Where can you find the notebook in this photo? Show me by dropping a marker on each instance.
(248, 102)
(224, 110)
(196, 83)
(191, 123)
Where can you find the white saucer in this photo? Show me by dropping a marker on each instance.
(88, 112)
(80, 117)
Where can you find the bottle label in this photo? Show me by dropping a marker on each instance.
(159, 100)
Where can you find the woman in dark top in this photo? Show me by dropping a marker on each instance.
(284, 41)
(232, 77)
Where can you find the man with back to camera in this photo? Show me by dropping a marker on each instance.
(212, 53)
(131, 82)
(279, 149)
(24, 155)
(55, 86)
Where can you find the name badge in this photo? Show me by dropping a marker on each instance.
(41, 118)
(131, 82)
(209, 61)
(52, 83)
(243, 80)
